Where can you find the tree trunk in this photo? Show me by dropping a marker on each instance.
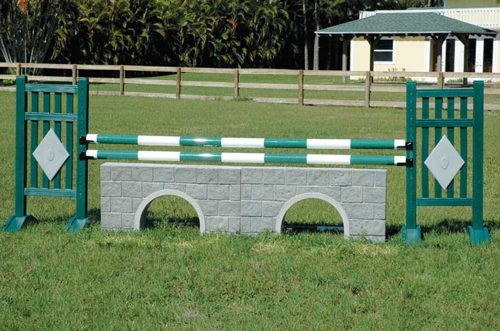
(306, 36)
(316, 37)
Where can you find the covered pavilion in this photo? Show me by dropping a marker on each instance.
(430, 25)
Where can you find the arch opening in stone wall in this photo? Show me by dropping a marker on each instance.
(329, 214)
(169, 206)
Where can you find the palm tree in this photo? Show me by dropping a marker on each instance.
(27, 29)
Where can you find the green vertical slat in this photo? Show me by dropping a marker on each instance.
(438, 133)
(46, 127)
(451, 136)
(425, 149)
(21, 148)
(82, 168)
(34, 141)
(411, 231)
(477, 164)
(69, 142)
(463, 149)
(78, 222)
(57, 130)
(478, 234)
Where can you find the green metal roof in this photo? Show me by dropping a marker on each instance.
(414, 24)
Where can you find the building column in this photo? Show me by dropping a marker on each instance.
(496, 54)
(465, 41)
(443, 56)
(346, 40)
(438, 53)
(459, 56)
(371, 42)
(479, 55)
(428, 56)
(345, 47)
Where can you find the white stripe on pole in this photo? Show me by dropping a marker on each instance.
(91, 138)
(158, 140)
(328, 143)
(328, 159)
(159, 156)
(399, 160)
(242, 157)
(399, 143)
(243, 142)
(91, 153)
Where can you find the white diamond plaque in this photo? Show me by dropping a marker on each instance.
(51, 154)
(444, 162)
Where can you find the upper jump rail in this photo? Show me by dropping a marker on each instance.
(177, 141)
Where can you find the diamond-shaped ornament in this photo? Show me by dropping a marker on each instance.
(51, 154)
(444, 162)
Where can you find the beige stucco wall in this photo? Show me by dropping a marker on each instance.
(410, 54)
(471, 4)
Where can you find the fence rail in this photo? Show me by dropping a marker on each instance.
(365, 83)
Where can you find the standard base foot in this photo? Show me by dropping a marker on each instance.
(411, 236)
(478, 236)
(15, 223)
(76, 224)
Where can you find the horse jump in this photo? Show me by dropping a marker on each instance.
(444, 162)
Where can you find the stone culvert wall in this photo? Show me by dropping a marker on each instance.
(244, 200)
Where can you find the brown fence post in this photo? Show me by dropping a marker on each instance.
(74, 74)
(122, 80)
(237, 83)
(440, 81)
(368, 87)
(178, 80)
(18, 69)
(301, 87)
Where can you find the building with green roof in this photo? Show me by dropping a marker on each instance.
(423, 40)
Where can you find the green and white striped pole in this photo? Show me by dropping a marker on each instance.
(174, 141)
(260, 158)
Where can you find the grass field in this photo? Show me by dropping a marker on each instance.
(170, 277)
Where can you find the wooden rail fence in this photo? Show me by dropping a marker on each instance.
(360, 81)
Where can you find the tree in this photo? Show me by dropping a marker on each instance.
(27, 28)
(116, 32)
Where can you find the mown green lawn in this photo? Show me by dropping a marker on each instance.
(170, 277)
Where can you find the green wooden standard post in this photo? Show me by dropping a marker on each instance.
(78, 222)
(24, 152)
(411, 231)
(16, 221)
(477, 232)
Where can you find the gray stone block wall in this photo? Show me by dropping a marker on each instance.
(244, 199)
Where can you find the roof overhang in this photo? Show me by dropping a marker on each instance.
(406, 25)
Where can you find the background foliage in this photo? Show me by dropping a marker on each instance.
(218, 33)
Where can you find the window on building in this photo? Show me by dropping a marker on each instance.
(383, 50)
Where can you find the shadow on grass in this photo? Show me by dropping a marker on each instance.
(311, 228)
(443, 227)
(94, 215)
(177, 222)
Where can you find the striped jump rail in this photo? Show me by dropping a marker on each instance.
(177, 141)
(255, 158)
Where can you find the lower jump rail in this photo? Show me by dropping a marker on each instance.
(259, 158)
